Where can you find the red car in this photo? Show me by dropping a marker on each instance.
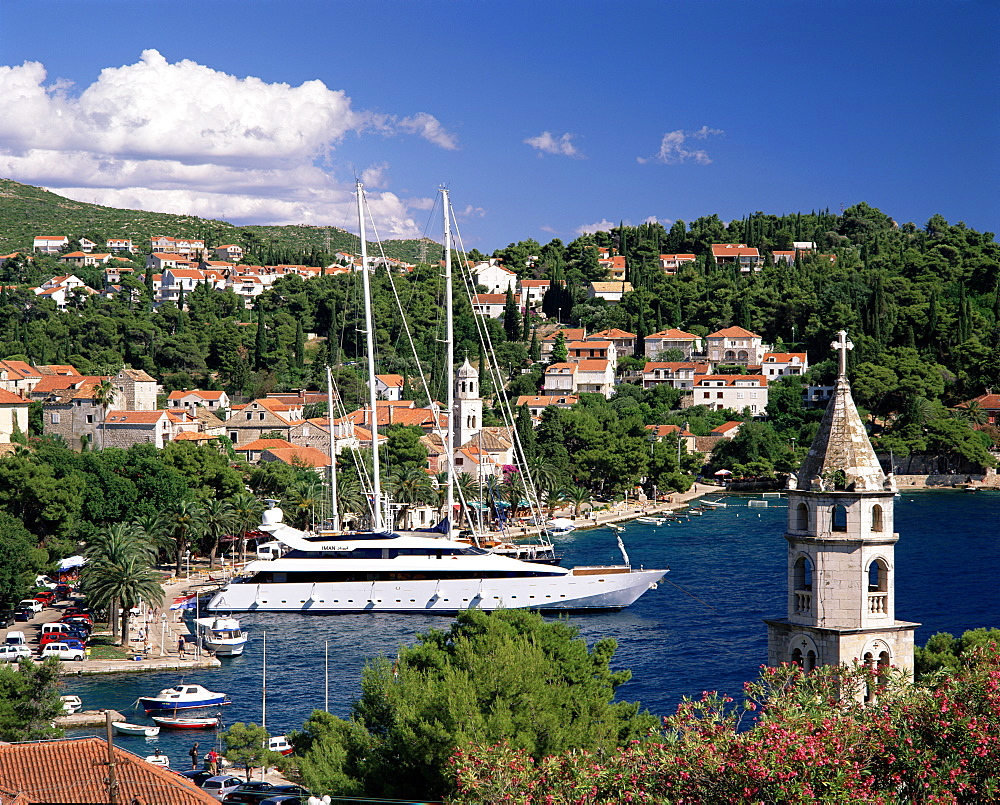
(58, 637)
(46, 597)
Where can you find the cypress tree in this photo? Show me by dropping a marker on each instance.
(300, 344)
(260, 341)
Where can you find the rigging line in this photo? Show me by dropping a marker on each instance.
(696, 598)
(534, 499)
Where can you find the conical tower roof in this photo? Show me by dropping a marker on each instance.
(466, 370)
(841, 442)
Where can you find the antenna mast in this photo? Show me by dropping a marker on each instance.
(370, 344)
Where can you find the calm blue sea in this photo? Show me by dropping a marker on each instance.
(705, 633)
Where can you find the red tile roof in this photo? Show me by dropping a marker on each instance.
(264, 444)
(733, 332)
(308, 456)
(673, 333)
(75, 771)
(10, 398)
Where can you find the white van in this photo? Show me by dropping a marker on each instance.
(30, 603)
(15, 638)
(49, 628)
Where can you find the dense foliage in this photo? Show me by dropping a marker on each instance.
(809, 742)
(29, 700)
(507, 676)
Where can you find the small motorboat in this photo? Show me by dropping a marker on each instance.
(186, 723)
(71, 704)
(279, 744)
(159, 760)
(651, 520)
(182, 697)
(221, 635)
(143, 730)
(714, 503)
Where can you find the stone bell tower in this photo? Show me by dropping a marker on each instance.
(841, 567)
(468, 419)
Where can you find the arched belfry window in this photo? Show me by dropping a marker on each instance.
(797, 657)
(877, 518)
(801, 522)
(878, 576)
(803, 573)
(839, 518)
(809, 662)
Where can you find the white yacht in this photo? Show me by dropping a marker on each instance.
(221, 635)
(410, 572)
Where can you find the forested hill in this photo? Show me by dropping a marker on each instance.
(27, 211)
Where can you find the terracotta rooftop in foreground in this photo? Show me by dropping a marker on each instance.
(75, 771)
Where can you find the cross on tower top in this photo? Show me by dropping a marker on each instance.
(842, 345)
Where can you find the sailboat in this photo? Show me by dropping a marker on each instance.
(384, 570)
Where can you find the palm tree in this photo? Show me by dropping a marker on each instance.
(110, 549)
(304, 497)
(468, 487)
(219, 519)
(578, 496)
(410, 488)
(553, 500)
(349, 497)
(971, 412)
(152, 530)
(126, 581)
(184, 522)
(247, 510)
(104, 396)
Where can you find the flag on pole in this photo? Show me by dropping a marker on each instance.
(185, 602)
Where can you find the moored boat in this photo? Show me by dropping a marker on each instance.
(560, 525)
(279, 744)
(221, 635)
(144, 730)
(182, 697)
(159, 760)
(71, 704)
(186, 722)
(651, 520)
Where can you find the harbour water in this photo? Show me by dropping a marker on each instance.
(701, 630)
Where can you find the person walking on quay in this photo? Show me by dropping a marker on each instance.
(194, 755)
(181, 646)
(213, 761)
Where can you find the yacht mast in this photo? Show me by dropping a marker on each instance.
(334, 512)
(370, 346)
(449, 363)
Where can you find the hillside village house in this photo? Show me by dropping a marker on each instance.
(658, 343)
(490, 305)
(249, 422)
(494, 277)
(734, 392)
(578, 350)
(624, 341)
(676, 374)
(670, 263)
(659, 433)
(82, 258)
(187, 247)
(229, 252)
(190, 400)
(780, 364)
(615, 267)
(536, 404)
(610, 292)
(547, 340)
(595, 376)
(13, 415)
(19, 378)
(389, 387)
(50, 244)
(747, 258)
(118, 245)
(530, 292)
(737, 346)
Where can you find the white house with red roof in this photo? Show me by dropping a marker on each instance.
(670, 263)
(389, 387)
(50, 244)
(746, 257)
(176, 280)
(536, 404)
(118, 245)
(734, 392)
(229, 251)
(82, 258)
(676, 374)
(614, 266)
(530, 292)
(158, 261)
(494, 277)
(610, 292)
(560, 379)
(656, 344)
(19, 378)
(196, 398)
(595, 376)
(736, 345)
(490, 305)
(781, 364)
(13, 415)
(62, 288)
(185, 246)
(660, 432)
(623, 340)
(579, 350)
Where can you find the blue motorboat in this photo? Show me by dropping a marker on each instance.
(182, 697)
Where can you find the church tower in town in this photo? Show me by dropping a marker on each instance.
(468, 420)
(841, 568)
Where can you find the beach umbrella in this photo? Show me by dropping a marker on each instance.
(723, 472)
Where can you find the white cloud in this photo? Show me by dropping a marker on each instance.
(186, 138)
(673, 150)
(430, 128)
(471, 212)
(548, 143)
(652, 219)
(600, 226)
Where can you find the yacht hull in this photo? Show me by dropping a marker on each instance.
(613, 589)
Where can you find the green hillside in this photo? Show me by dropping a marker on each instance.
(27, 211)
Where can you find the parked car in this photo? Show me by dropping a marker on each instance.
(6, 618)
(197, 776)
(284, 799)
(46, 597)
(220, 785)
(62, 651)
(55, 637)
(256, 792)
(32, 604)
(23, 615)
(13, 653)
(63, 591)
(44, 581)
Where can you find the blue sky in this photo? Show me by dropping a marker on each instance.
(546, 119)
